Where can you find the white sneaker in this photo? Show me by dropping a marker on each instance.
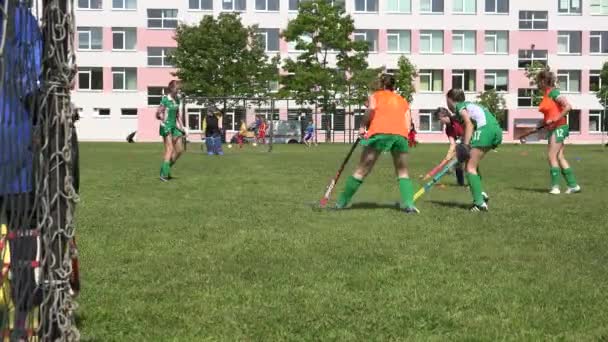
(555, 190)
(486, 198)
(573, 190)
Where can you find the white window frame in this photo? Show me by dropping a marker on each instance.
(163, 19)
(400, 10)
(428, 113)
(367, 5)
(266, 7)
(263, 32)
(494, 35)
(163, 55)
(430, 74)
(363, 32)
(565, 88)
(596, 113)
(431, 6)
(533, 57)
(124, 6)
(89, 32)
(129, 116)
(163, 93)
(569, 7)
(495, 12)
(89, 7)
(461, 73)
(580, 119)
(462, 34)
(102, 116)
(123, 71)
(533, 21)
(494, 74)
(464, 10)
(232, 6)
(199, 7)
(596, 36)
(598, 74)
(429, 33)
(89, 72)
(567, 34)
(397, 33)
(531, 97)
(195, 112)
(599, 7)
(293, 10)
(123, 32)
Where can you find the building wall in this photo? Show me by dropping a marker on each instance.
(115, 126)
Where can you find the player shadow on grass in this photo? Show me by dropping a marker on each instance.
(535, 190)
(374, 205)
(450, 204)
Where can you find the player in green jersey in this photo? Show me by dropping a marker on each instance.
(171, 130)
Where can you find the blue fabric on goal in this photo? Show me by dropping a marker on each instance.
(22, 62)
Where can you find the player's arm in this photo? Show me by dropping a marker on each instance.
(368, 116)
(564, 105)
(160, 112)
(468, 126)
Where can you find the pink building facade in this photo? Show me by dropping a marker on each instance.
(471, 44)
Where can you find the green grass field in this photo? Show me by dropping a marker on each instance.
(231, 250)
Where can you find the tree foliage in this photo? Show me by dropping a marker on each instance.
(219, 57)
(602, 94)
(405, 78)
(495, 103)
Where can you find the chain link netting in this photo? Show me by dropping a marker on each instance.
(38, 172)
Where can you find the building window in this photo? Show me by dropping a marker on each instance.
(193, 116)
(102, 111)
(201, 5)
(496, 42)
(464, 79)
(89, 4)
(294, 5)
(369, 36)
(497, 80)
(124, 78)
(431, 41)
(124, 4)
(269, 39)
(398, 41)
(533, 20)
(231, 120)
(265, 113)
(366, 5)
(569, 81)
(431, 80)
(574, 120)
(155, 95)
(339, 120)
(504, 121)
(399, 6)
(128, 112)
(526, 57)
(596, 124)
(124, 38)
(159, 56)
(90, 78)
(428, 123)
(465, 6)
(337, 3)
(463, 42)
(431, 6)
(569, 6)
(569, 42)
(599, 7)
(497, 6)
(595, 81)
(599, 42)
(234, 5)
(267, 5)
(292, 46)
(162, 18)
(525, 97)
(90, 38)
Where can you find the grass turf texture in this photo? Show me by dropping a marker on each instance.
(231, 249)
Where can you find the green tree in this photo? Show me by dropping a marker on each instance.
(495, 103)
(222, 58)
(531, 71)
(406, 78)
(332, 68)
(602, 93)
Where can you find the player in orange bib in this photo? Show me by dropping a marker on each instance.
(555, 107)
(387, 122)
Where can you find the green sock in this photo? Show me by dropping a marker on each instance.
(165, 169)
(569, 175)
(406, 188)
(554, 176)
(475, 183)
(352, 185)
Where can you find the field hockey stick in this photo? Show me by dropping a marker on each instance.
(436, 169)
(435, 179)
(522, 138)
(334, 181)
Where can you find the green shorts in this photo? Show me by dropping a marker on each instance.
(386, 143)
(561, 133)
(488, 136)
(166, 130)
